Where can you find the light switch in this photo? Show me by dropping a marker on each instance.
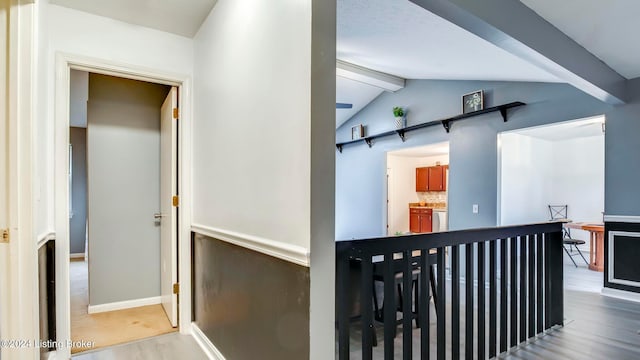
(475, 208)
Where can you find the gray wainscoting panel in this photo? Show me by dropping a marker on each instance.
(250, 305)
(621, 252)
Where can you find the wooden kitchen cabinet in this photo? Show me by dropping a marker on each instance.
(420, 220)
(422, 179)
(432, 178)
(414, 223)
(437, 181)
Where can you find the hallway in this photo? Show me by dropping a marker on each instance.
(113, 327)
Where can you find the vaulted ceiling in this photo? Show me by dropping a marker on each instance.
(607, 29)
(401, 38)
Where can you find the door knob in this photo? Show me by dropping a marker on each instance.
(158, 216)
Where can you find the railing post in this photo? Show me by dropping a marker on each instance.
(342, 303)
(554, 280)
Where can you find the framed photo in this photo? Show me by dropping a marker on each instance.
(473, 101)
(357, 132)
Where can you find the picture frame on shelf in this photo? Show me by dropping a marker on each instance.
(473, 101)
(357, 132)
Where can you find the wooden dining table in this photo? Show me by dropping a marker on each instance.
(596, 243)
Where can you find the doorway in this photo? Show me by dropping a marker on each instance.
(123, 176)
(181, 124)
(560, 164)
(404, 192)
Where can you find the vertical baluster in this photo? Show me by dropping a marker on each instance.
(366, 309)
(441, 310)
(540, 284)
(468, 299)
(532, 285)
(423, 309)
(554, 307)
(481, 301)
(503, 295)
(407, 312)
(493, 295)
(513, 303)
(455, 302)
(344, 302)
(523, 288)
(389, 306)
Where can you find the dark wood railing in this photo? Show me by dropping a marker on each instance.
(525, 295)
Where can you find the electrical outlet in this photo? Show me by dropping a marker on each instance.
(475, 208)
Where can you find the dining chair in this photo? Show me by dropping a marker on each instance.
(559, 212)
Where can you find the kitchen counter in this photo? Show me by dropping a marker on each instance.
(434, 206)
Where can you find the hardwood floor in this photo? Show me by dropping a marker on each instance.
(113, 327)
(170, 347)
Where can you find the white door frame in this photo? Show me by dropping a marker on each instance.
(64, 63)
(18, 258)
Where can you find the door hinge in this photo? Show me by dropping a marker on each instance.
(5, 236)
(175, 113)
(175, 200)
(176, 288)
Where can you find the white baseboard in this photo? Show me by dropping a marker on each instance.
(128, 304)
(76, 256)
(620, 294)
(206, 344)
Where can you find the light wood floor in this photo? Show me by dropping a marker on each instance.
(113, 327)
(170, 347)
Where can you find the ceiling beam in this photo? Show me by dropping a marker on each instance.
(367, 76)
(517, 29)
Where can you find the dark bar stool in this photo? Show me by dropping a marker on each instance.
(378, 275)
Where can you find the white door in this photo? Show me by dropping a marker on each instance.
(168, 212)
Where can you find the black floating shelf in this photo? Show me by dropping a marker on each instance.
(446, 123)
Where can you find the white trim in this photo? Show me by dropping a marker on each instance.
(18, 259)
(620, 294)
(292, 253)
(205, 344)
(44, 238)
(368, 76)
(76, 256)
(612, 235)
(64, 63)
(622, 218)
(121, 305)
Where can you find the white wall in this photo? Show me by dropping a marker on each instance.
(252, 86)
(63, 30)
(527, 166)
(402, 187)
(578, 179)
(264, 135)
(536, 173)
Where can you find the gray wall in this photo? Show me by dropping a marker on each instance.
(77, 224)
(123, 149)
(250, 305)
(360, 170)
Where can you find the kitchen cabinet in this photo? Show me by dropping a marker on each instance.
(437, 181)
(432, 178)
(420, 220)
(422, 179)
